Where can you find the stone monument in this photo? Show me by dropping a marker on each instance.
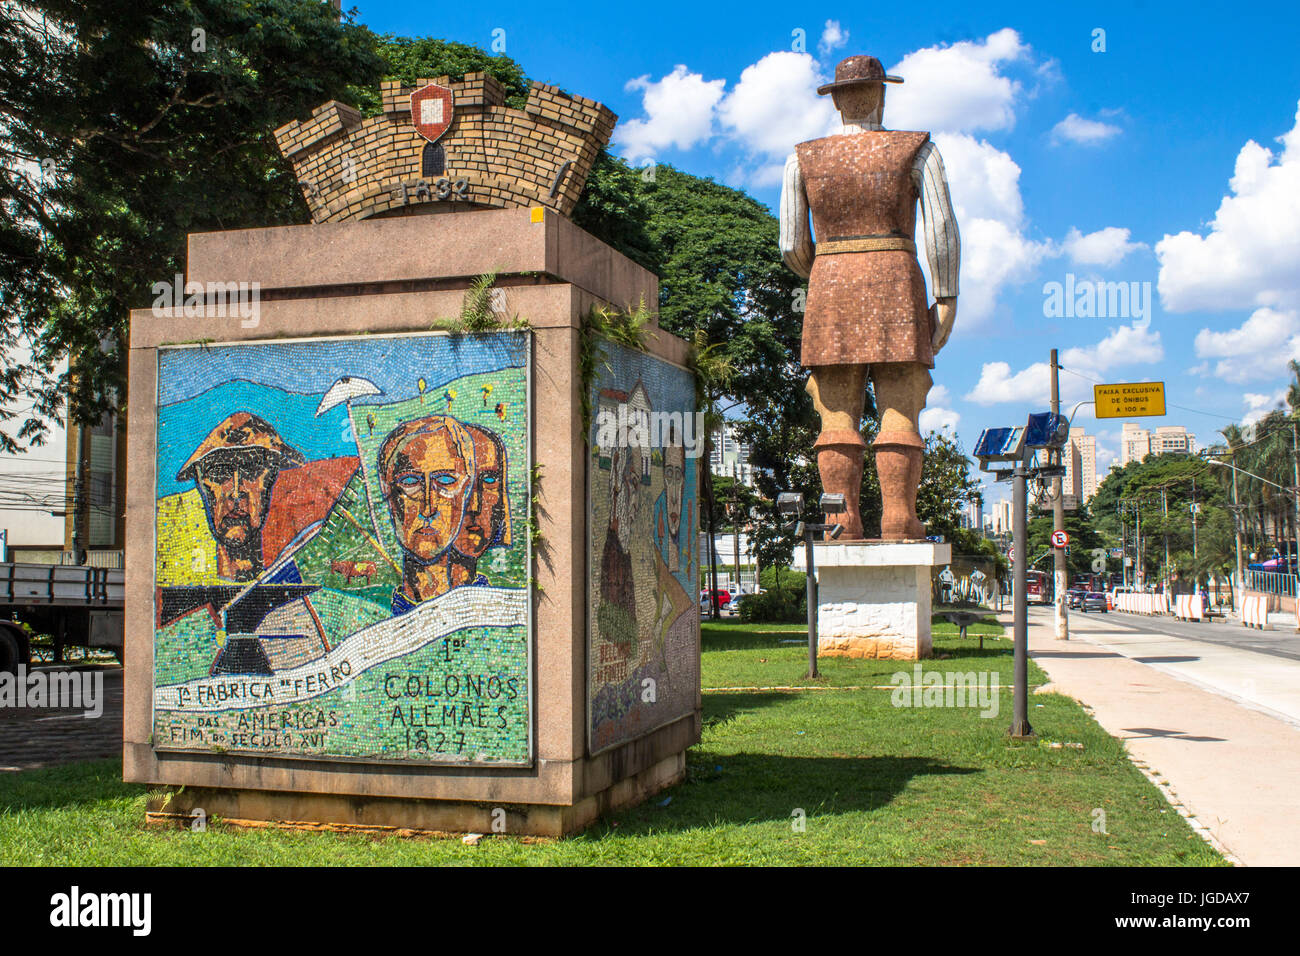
(387, 568)
(867, 317)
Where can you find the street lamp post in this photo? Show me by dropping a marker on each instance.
(790, 503)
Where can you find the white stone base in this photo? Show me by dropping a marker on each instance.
(874, 597)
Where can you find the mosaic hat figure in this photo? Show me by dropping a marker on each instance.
(616, 615)
(234, 469)
(867, 312)
(426, 474)
(487, 510)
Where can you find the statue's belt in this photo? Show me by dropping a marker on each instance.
(838, 244)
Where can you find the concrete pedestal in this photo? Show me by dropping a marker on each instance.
(500, 705)
(874, 597)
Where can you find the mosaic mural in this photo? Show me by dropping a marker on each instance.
(342, 549)
(643, 624)
(966, 580)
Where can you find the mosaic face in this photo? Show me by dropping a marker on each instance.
(485, 521)
(427, 472)
(335, 573)
(236, 489)
(674, 478)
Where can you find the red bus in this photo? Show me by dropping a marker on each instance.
(1038, 587)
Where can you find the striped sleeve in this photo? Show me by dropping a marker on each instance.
(942, 243)
(796, 237)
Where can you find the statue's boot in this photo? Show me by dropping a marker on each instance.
(899, 456)
(841, 456)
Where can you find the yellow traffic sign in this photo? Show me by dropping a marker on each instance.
(1129, 400)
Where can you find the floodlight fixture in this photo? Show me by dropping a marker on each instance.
(832, 504)
(790, 502)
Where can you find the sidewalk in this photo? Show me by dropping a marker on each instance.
(1234, 770)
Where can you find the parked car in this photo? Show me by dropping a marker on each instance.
(722, 595)
(1093, 601)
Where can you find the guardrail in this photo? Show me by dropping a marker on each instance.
(1272, 582)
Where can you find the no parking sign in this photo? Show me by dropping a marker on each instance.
(1060, 539)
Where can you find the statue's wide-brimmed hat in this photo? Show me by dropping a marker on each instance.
(858, 71)
(241, 434)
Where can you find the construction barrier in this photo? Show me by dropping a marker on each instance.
(1142, 603)
(1254, 612)
(1188, 607)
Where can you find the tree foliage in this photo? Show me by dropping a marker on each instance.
(123, 128)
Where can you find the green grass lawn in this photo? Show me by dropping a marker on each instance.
(875, 784)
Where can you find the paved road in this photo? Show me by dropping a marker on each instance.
(1281, 641)
(1260, 669)
(42, 737)
(1214, 724)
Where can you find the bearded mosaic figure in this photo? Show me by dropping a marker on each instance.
(867, 312)
(234, 469)
(616, 615)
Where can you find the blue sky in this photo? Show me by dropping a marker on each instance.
(1156, 161)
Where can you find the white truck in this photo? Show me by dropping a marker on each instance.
(78, 606)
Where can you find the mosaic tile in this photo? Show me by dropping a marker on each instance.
(643, 664)
(342, 559)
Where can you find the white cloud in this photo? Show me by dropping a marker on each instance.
(938, 419)
(774, 106)
(1125, 345)
(936, 416)
(1084, 132)
(949, 90)
(1251, 254)
(998, 384)
(678, 112)
(1258, 405)
(1105, 247)
(985, 185)
(833, 37)
(958, 88)
(1255, 351)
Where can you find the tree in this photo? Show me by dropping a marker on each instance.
(123, 128)
(410, 59)
(1084, 540)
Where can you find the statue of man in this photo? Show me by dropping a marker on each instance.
(867, 312)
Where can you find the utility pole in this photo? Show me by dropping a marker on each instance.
(1123, 544)
(1058, 524)
(1237, 600)
(1164, 509)
(735, 523)
(1020, 720)
(1139, 573)
(1295, 496)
